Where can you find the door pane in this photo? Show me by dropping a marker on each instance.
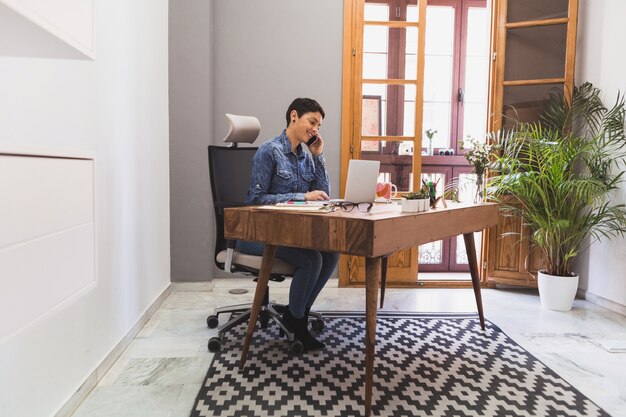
(535, 52)
(371, 91)
(375, 51)
(433, 253)
(439, 30)
(460, 253)
(523, 10)
(430, 253)
(436, 117)
(466, 187)
(439, 54)
(396, 161)
(438, 69)
(525, 103)
(476, 73)
(397, 110)
(382, 58)
(380, 12)
(410, 65)
(376, 11)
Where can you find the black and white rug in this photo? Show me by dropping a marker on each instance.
(426, 365)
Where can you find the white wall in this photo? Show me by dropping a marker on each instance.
(115, 107)
(601, 61)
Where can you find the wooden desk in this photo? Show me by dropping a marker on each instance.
(373, 235)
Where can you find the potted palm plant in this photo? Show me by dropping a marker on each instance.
(559, 175)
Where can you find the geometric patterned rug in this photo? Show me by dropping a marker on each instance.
(425, 365)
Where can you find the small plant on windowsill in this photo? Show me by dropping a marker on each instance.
(430, 133)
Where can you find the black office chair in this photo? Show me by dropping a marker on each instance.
(230, 169)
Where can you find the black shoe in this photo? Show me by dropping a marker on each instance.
(299, 327)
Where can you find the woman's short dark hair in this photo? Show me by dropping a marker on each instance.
(302, 106)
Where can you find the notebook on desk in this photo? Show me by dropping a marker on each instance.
(361, 181)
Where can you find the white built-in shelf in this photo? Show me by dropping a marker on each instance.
(71, 21)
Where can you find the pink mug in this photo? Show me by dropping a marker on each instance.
(386, 190)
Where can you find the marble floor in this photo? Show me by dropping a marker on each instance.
(161, 371)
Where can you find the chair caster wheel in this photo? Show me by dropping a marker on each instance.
(318, 325)
(296, 347)
(212, 322)
(215, 344)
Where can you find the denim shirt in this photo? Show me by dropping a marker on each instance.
(280, 175)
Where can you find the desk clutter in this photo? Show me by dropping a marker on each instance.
(429, 364)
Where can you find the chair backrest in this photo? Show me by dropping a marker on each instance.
(230, 169)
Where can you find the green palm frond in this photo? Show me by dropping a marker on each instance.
(558, 175)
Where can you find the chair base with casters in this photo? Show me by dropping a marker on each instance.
(269, 311)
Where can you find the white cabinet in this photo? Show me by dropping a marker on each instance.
(47, 235)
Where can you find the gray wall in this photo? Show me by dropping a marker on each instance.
(245, 57)
(190, 91)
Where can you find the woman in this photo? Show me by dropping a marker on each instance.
(282, 171)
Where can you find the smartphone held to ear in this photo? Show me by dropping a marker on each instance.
(312, 140)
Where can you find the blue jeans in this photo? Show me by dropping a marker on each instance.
(313, 268)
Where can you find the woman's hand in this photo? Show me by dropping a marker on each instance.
(316, 195)
(317, 147)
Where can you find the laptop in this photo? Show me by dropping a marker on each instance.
(361, 181)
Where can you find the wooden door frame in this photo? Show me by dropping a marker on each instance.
(499, 27)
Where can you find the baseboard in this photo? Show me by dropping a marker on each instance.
(602, 302)
(92, 380)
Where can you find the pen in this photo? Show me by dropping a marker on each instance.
(296, 202)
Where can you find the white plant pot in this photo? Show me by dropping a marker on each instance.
(557, 293)
(415, 206)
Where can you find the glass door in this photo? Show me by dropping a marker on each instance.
(415, 83)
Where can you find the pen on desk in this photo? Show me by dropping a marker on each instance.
(296, 202)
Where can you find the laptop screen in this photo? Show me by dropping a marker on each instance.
(361, 181)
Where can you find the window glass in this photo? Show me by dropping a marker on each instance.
(392, 119)
(396, 160)
(410, 92)
(439, 30)
(438, 70)
(476, 74)
(525, 103)
(430, 253)
(377, 61)
(412, 13)
(410, 64)
(436, 117)
(376, 12)
(524, 10)
(379, 12)
(535, 52)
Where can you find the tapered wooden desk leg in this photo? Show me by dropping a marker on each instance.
(383, 280)
(470, 248)
(372, 275)
(269, 252)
